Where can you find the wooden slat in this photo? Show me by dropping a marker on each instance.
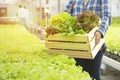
(70, 46)
(75, 54)
(92, 43)
(77, 38)
(97, 48)
(91, 33)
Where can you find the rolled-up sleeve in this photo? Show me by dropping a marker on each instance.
(106, 17)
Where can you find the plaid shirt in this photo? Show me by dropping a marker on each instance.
(100, 7)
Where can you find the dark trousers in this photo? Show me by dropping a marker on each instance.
(92, 66)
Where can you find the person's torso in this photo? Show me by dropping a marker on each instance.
(92, 5)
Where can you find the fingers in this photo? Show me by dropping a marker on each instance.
(97, 37)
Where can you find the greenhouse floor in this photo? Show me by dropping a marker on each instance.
(110, 74)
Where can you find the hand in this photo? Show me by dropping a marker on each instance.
(98, 36)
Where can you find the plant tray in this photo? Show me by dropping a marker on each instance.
(77, 46)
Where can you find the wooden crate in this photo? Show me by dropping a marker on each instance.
(77, 46)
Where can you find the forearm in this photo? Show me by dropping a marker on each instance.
(106, 17)
(104, 25)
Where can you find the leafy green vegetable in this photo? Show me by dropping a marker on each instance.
(113, 38)
(24, 57)
(88, 20)
(66, 24)
(63, 22)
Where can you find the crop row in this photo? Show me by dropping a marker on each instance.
(24, 57)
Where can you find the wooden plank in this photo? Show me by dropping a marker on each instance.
(97, 48)
(92, 44)
(68, 45)
(91, 33)
(75, 54)
(76, 38)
